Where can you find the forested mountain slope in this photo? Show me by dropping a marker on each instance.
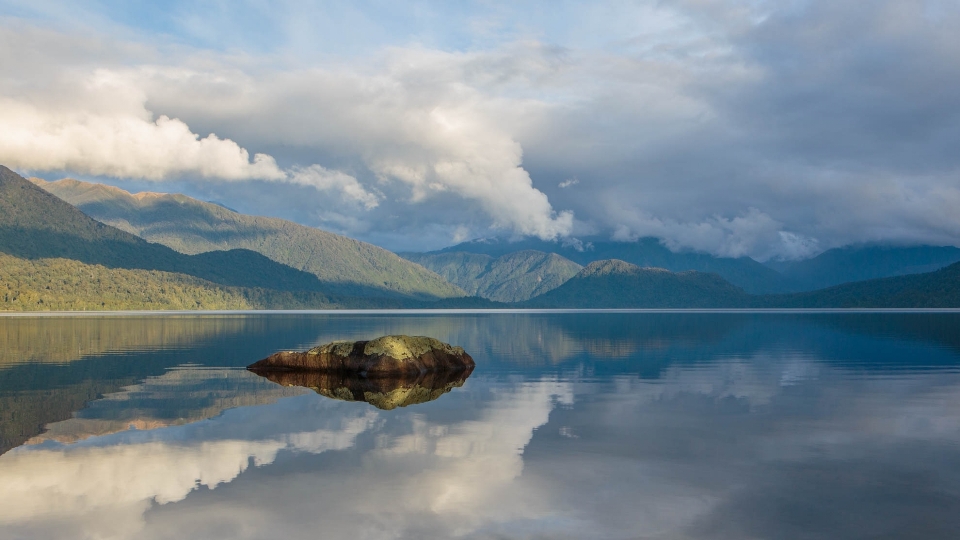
(743, 272)
(513, 277)
(619, 284)
(616, 284)
(938, 289)
(344, 265)
(37, 225)
(859, 263)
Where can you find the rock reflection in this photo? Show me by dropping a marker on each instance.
(385, 393)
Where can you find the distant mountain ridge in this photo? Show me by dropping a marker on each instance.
(832, 267)
(937, 289)
(619, 284)
(343, 265)
(858, 263)
(743, 272)
(513, 277)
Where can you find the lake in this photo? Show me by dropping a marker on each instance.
(575, 425)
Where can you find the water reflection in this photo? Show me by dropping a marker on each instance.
(385, 393)
(66, 339)
(178, 397)
(763, 427)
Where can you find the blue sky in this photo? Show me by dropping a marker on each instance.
(768, 129)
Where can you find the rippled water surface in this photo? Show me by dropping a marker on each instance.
(573, 425)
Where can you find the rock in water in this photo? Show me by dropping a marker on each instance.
(387, 356)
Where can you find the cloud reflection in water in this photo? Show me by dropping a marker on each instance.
(745, 440)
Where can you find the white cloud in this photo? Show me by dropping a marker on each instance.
(104, 128)
(677, 118)
(325, 179)
(753, 233)
(414, 123)
(121, 146)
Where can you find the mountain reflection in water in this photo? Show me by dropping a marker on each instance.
(572, 425)
(385, 393)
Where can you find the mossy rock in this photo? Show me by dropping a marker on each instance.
(387, 356)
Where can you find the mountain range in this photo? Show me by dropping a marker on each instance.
(618, 284)
(513, 277)
(342, 265)
(55, 257)
(37, 225)
(832, 267)
(77, 245)
(743, 272)
(858, 263)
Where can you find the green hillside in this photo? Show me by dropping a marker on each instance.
(68, 285)
(618, 284)
(938, 289)
(514, 277)
(344, 266)
(859, 263)
(37, 225)
(743, 272)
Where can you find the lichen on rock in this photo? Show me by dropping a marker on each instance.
(384, 356)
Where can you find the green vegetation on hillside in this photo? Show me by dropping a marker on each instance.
(618, 284)
(939, 289)
(743, 272)
(860, 263)
(54, 257)
(68, 285)
(37, 225)
(514, 277)
(344, 266)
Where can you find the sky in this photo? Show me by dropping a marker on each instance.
(774, 130)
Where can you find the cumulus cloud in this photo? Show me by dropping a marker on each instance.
(432, 138)
(111, 133)
(122, 146)
(325, 179)
(761, 129)
(753, 233)
(415, 123)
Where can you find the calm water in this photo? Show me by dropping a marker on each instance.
(589, 425)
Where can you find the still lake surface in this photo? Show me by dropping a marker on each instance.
(573, 425)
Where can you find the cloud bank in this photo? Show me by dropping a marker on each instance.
(764, 129)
